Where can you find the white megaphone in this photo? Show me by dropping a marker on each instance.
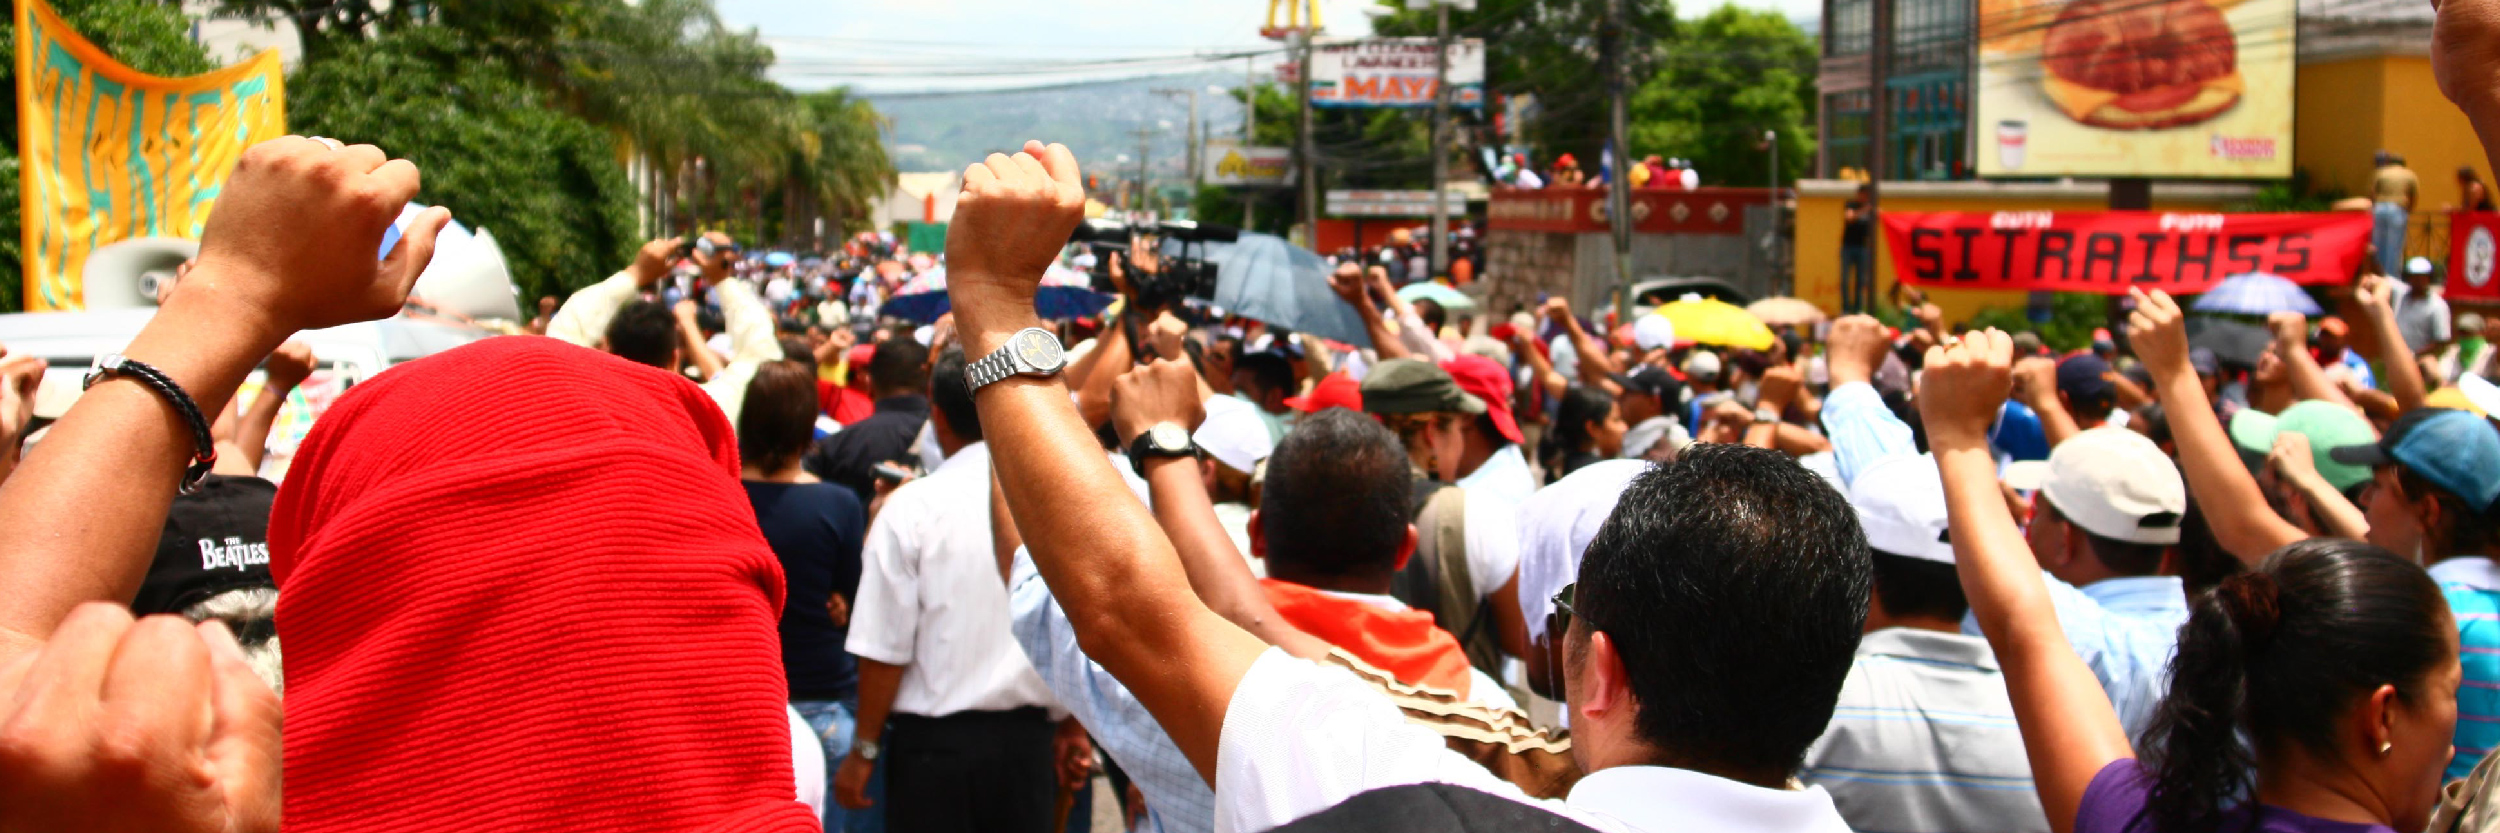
(467, 276)
(129, 274)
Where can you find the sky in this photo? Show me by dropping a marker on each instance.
(910, 45)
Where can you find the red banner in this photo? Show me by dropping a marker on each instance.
(2471, 255)
(2109, 251)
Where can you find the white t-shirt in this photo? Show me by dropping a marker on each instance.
(1300, 737)
(807, 762)
(1492, 537)
(930, 599)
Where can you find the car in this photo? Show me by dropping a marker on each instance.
(1651, 293)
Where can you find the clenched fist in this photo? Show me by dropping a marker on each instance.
(1962, 387)
(290, 244)
(2158, 331)
(1855, 349)
(1165, 391)
(146, 726)
(1012, 219)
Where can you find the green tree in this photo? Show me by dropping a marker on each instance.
(546, 182)
(1726, 78)
(149, 36)
(1551, 49)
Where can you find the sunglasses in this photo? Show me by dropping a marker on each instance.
(1563, 609)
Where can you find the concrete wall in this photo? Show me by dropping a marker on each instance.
(2353, 106)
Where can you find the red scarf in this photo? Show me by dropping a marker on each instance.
(1404, 643)
(522, 590)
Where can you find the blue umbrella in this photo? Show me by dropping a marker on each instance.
(778, 259)
(2257, 293)
(1053, 301)
(1262, 277)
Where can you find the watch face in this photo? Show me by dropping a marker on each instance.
(1038, 350)
(1168, 437)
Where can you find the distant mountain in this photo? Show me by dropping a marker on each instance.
(1098, 120)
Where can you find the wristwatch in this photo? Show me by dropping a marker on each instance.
(1763, 415)
(867, 750)
(1164, 440)
(1032, 351)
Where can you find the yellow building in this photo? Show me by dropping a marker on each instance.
(2363, 84)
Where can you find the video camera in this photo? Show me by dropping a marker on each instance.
(1179, 246)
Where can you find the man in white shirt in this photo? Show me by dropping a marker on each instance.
(2421, 314)
(970, 742)
(611, 316)
(1733, 581)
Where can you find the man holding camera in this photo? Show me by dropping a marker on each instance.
(615, 316)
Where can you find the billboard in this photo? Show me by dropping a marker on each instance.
(1232, 163)
(2151, 88)
(1394, 72)
(110, 154)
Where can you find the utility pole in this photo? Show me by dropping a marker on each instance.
(1618, 190)
(1145, 142)
(1307, 152)
(1191, 143)
(1879, 146)
(1440, 139)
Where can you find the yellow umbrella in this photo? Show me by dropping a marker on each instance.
(1710, 321)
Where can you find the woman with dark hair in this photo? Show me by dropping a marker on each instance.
(815, 530)
(1587, 428)
(2334, 659)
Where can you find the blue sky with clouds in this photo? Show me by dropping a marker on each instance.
(895, 45)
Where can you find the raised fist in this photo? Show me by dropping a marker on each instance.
(1855, 348)
(652, 260)
(290, 245)
(2158, 331)
(1013, 217)
(1153, 394)
(289, 366)
(2291, 329)
(1962, 386)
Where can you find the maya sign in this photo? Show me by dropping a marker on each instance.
(1394, 72)
(2472, 252)
(2109, 251)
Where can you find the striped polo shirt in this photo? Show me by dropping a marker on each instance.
(2472, 585)
(1924, 740)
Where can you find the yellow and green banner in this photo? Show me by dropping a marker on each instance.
(108, 153)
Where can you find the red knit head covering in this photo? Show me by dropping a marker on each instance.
(524, 591)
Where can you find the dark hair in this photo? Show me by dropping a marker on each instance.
(1335, 503)
(1580, 406)
(2279, 653)
(900, 365)
(1906, 586)
(2203, 563)
(795, 349)
(777, 423)
(1734, 584)
(644, 332)
(1433, 316)
(950, 394)
(2466, 530)
(1270, 370)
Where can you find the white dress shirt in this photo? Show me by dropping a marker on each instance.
(1300, 737)
(930, 598)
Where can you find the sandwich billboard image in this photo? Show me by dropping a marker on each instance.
(2152, 88)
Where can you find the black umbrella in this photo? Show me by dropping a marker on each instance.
(2233, 342)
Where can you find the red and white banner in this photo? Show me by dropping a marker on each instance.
(2471, 244)
(2109, 251)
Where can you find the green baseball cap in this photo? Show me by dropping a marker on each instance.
(2328, 426)
(1415, 386)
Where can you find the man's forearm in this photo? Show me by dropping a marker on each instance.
(79, 518)
(2055, 423)
(2308, 380)
(877, 684)
(2402, 375)
(2335, 515)
(1594, 364)
(1216, 570)
(2234, 507)
(251, 428)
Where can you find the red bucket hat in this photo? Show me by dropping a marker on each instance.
(1483, 379)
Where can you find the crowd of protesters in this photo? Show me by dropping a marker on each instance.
(804, 567)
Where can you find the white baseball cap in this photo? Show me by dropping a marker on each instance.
(1234, 434)
(1556, 525)
(1900, 503)
(1653, 331)
(2118, 485)
(2418, 266)
(1702, 363)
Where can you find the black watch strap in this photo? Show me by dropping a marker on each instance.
(115, 364)
(1144, 448)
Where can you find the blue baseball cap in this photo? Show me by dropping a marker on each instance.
(2454, 450)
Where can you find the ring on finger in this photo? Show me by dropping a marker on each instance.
(333, 144)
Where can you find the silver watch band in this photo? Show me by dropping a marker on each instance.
(989, 369)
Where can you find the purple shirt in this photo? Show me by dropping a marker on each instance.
(2114, 803)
